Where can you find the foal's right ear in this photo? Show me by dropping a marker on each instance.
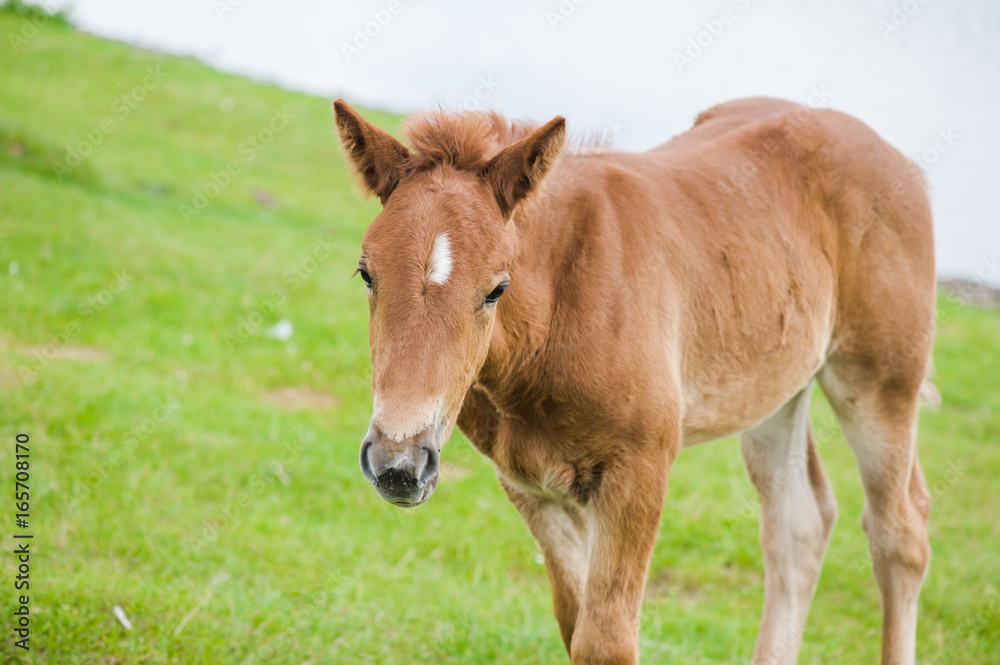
(516, 170)
(375, 155)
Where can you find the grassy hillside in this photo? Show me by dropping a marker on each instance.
(156, 218)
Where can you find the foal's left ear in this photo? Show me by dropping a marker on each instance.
(376, 156)
(516, 170)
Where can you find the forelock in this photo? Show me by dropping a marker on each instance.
(464, 140)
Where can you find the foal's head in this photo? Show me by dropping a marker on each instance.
(435, 262)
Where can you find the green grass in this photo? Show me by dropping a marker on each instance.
(164, 479)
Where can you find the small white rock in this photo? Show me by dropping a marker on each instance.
(279, 471)
(122, 619)
(281, 331)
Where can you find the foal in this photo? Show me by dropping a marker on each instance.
(583, 317)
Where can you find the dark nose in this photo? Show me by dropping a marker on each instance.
(404, 476)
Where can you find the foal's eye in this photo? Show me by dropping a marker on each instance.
(495, 294)
(366, 277)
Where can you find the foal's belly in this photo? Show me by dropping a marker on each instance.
(714, 414)
(733, 391)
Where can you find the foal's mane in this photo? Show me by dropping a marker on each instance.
(464, 140)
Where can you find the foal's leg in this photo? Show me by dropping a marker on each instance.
(624, 517)
(561, 532)
(798, 510)
(879, 422)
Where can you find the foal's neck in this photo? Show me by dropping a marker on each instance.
(523, 328)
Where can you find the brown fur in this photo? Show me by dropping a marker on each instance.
(462, 140)
(658, 300)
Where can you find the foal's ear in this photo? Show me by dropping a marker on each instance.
(515, 171)
(375, 155)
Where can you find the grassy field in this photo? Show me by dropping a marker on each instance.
(156, 219)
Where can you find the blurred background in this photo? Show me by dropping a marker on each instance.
(924, 74)
(183, 345)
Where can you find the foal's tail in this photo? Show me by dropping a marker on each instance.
(929, 395)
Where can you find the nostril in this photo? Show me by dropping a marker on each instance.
(431, 467)
(366, 465)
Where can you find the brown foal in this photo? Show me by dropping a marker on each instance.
(583, 316)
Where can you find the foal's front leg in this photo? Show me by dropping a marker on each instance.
(624, 517)
(561, 532)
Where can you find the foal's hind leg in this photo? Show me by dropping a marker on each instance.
(879, 422)
(798, 510)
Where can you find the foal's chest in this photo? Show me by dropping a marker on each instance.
(545, 465)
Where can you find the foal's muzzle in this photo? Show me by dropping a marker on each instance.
(405, 473)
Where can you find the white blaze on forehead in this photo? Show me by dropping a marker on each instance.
(398, 424)
(440, 262)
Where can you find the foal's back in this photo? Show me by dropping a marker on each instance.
(764, 239)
